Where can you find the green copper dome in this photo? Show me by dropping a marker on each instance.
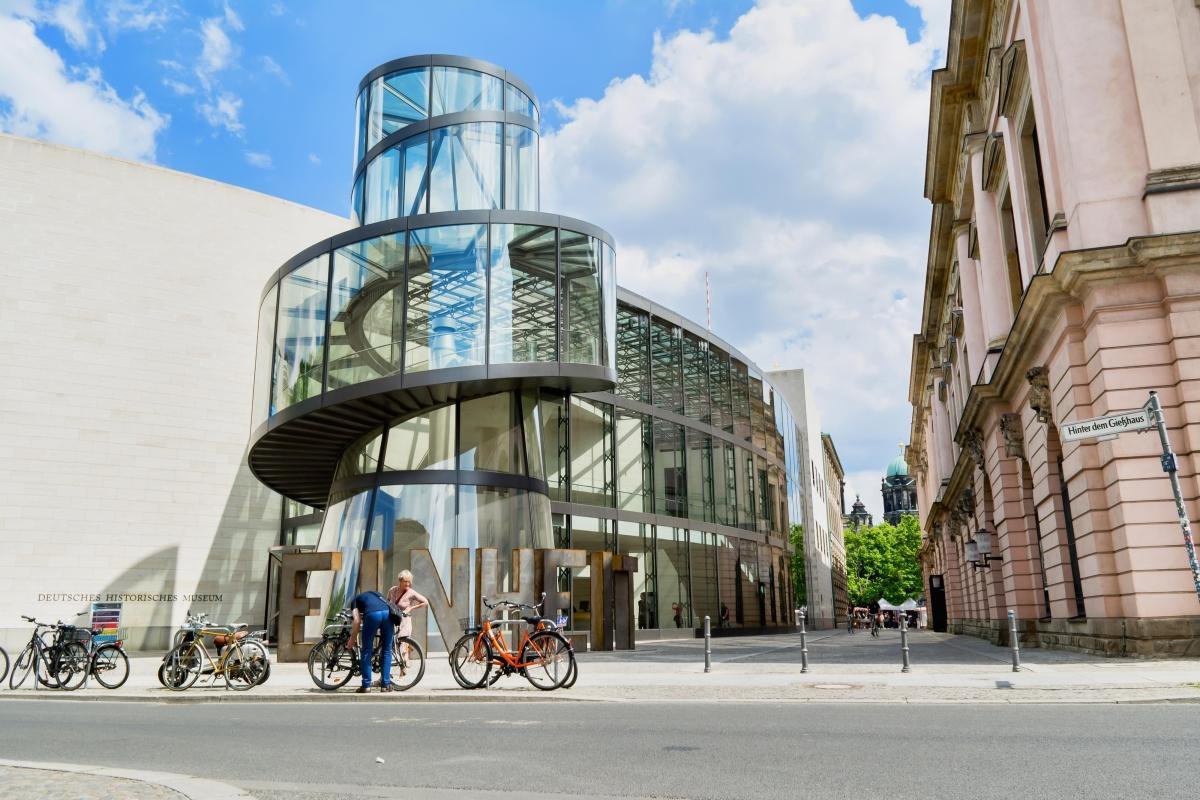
(898, 468)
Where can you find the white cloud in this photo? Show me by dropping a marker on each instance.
(278, 9)
(135, 16)
(271, 67)
(313, 158)
(171, 64)
(260, 160)
(78, 108)
(178, 87)
(232, 19)
(222, 112)
(72, 18)
(786, 159)
(217, 52)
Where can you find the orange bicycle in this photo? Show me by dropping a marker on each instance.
(543, 656)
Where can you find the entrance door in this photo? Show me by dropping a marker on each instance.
(937, 602)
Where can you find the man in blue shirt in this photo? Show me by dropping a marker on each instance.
(370, 611)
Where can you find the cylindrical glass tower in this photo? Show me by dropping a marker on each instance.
(402, 365)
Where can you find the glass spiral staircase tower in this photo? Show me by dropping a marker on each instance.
(401, 364)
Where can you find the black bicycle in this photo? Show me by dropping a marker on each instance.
(3, 665)
(40, 657)
(334, 660)
(81, 654)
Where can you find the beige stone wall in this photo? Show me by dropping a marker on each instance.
(1096, 292)
(130, 305)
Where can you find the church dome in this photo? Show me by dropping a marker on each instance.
(898, 468)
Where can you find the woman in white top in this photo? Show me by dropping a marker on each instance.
(409, 599)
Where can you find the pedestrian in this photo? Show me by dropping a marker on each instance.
(371, 614)
(724, 616)
(678, 609)
(409, 600)
(850, 620)
(876, 622)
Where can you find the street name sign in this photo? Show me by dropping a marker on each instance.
(1106, 426)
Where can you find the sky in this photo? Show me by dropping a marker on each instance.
(777, 145)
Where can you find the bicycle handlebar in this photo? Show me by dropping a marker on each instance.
(511, 604)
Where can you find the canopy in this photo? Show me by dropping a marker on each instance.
(907, 605)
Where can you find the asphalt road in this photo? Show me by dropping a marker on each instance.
(693, 750)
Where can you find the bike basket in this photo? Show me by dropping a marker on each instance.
(468, 626)
(77, 635)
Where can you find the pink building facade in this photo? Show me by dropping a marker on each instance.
(1063, 283)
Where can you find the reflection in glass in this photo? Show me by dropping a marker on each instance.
(416, 184)
(397, 100)
(699, 475)
(465, 171)
(446, 285)
(592, 535)
(360, 126)
(518, 102)
(554, 443)
(591, 452)
(718, 383)
(367, 310)
(490, 434)
(300, 334)
(425, 441)
(582, 304)
(702, 559)
(633, 354)
(361, 457)
(724, 482)
(664, 353)
(382, 200)
(411, 517)
(695, 378)
(635, 462)
(757, 420)
(520, 168)
(344, 530)
(670, 479)
(356, 200)
(457, 89)
(608, 282)
(501, 518)
(523, 287)
(671, 563)
(637, 540)
(740, 387)
(261, 406)
(531, 424)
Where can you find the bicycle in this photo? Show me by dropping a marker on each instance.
(38, 656)
(187, 631)
(243, 663)
(80, 657)
(546, 659)
(3, 665)
(334, 660)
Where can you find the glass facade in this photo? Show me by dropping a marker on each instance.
(687, 461)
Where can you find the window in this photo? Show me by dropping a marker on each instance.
(520, 168)
(522, 294)
(425, 441)
(300, 334)
(465, 167)
(446, 285)
(666, 361)
(592, 462)
(367, 313)
(582, 299)
(490, 434)
(1035, 185)
(635, 461)
(633, 354)
(457, 89)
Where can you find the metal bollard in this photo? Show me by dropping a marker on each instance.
(904, 641)
(1013, 638)
(803, 644)
(707, 644)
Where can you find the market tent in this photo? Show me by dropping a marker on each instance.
(907, 605)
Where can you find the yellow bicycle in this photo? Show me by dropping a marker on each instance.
(243, 663)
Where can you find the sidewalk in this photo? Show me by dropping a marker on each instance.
(26, 780)
(842, 668)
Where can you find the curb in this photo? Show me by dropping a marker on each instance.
(323, 697)
(186, 785)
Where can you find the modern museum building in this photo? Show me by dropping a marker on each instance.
(458, 369)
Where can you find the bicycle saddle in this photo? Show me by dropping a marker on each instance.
(532, 620)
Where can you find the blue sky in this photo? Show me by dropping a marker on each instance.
(261, 94)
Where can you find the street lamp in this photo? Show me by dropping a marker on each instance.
(979, 550)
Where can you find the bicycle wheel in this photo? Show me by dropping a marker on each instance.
(572, 674)
(72, 666)
(245, 665)
(471, 661)
(331, 665)
(110, 666)
(407, 670)
(546, 659)
(45, 667)
(22, 667)
(181, 667)
(3, 665)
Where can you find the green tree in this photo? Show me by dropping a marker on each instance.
(882, 561)
(799, 571)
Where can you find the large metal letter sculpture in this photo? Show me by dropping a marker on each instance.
(294, 602)
(449, 612)
(370, 571)
(612, 601)
(486, 573)
(547, 563)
